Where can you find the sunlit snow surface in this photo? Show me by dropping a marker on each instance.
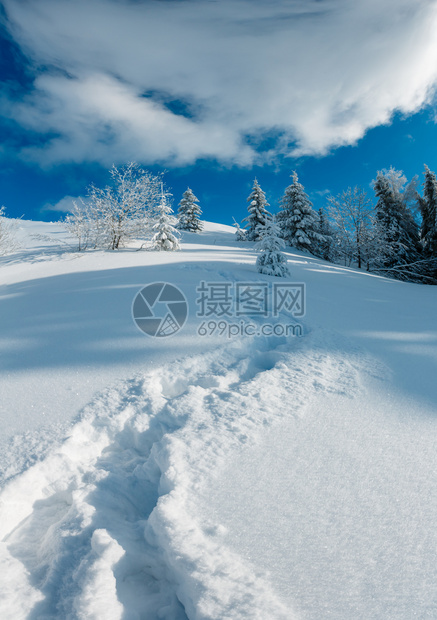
(208, 478)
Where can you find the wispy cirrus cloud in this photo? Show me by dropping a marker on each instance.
(172, 82)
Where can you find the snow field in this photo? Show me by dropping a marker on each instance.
(338, 507)
(254, 478)
(67, 332)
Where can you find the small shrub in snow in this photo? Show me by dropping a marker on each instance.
(8, 240)
(240, 233)
(271, 261)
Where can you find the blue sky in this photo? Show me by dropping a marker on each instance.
(215, 93)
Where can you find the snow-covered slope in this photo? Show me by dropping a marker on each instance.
(211, 477)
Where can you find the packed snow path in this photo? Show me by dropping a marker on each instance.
(112, 515)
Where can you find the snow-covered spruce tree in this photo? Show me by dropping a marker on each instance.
(271, 261)
(428, 208)
(166, 234)
(189, 212)
(258, 213)
(110, 217)
(324, 246)
(397, 237)
(297, 219)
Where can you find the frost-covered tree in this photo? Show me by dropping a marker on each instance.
(271, 261)
(166, 234)
(112, 216)
(351, 214)
(428, 208)
(8, 229)
(297, 219)
(240, 233)
(83, 223)
(258, 213)
(189, 213)
(397, 238)
(403, 190)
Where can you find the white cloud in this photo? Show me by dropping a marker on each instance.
(314, 73)
(64, 205)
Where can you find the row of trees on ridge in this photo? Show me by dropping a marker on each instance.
(136, 205)
(397, 236)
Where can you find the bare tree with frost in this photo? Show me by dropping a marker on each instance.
(351, 214)
(112, 216)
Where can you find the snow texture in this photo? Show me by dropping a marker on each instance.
(251, 478)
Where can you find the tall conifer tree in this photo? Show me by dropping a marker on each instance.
(189, 212)
(398, 235)
(297, 219)
(258, 213)
(428, 207)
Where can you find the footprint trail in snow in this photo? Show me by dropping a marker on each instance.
(105, 527)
